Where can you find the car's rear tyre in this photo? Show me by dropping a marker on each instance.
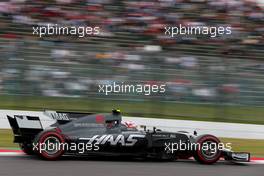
(26, 148)
(207, 151)
(54, 140)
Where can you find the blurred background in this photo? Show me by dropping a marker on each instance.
(215, 79)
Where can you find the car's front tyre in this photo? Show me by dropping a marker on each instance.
(207, 151)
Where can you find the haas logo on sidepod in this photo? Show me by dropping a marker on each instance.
(130, 141)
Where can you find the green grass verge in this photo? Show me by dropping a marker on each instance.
(255, 147)
(148, 108)
(6, 139)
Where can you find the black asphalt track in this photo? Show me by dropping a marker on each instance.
(72, 166)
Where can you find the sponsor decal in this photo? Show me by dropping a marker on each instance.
(59, 116)
(114, 140)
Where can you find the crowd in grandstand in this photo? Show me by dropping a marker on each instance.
(131, 45)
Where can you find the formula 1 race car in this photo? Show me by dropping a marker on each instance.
(82, 134)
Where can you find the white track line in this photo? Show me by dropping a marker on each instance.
(22, 154)
(11, 154)
(257, 162)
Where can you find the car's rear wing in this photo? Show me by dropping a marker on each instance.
(25, 127)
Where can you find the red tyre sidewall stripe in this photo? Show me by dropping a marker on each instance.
(201, 141)
(42, 139)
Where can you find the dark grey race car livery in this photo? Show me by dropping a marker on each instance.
(83, 134)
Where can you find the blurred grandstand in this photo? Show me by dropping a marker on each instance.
(132, 48)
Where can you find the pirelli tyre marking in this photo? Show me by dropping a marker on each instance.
(114, 140)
